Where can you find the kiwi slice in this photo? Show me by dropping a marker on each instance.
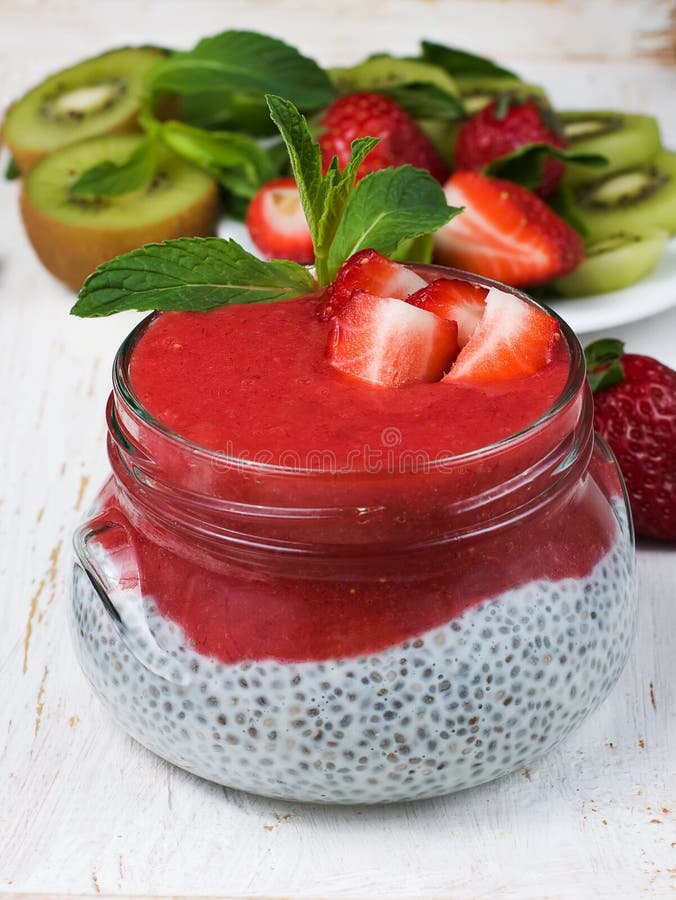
(100, 95)
(72, 235)
(626, 201)
(614, 262)
(476, 93)
(626, 140)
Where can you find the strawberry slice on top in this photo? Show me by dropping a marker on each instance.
(451, 298)
(387, 342)
(367, 270)
(513, 338)
(505, 232)
(277, 223)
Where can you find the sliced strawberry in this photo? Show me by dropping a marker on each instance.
(369, 271)
(451, 298)
(277, 224)
(388, 342)
(505, 232)
(512, 339)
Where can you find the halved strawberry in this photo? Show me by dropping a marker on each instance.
(451, 298)
(370, 271)
(277, 224)
(513, 338)
(505, 232)
(389, 342)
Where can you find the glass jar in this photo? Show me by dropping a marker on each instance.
(389, 633)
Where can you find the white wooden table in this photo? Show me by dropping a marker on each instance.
(86, 811)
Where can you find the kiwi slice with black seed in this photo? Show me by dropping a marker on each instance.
(629, 200)
(477, 93)
(72, 234)
(101, 95)
(614, 262)
(626, 140)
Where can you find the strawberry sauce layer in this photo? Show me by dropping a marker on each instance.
(254, 381)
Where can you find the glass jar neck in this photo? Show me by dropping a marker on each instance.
(191, 497)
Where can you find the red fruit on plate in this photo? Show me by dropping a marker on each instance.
(389, 342)
(513, 338)
(277, 223)
(635, 412)
(451, 298)
(505, 232)
(488, 135)
(370, 271)
(402, 140)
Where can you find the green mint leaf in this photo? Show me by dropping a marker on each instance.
(238, 162)
(460, 64)
(424, 90)
(604, 363)
(417, 249)
(563, 207)
(12, 171)
(189, 274)
(524, 165)
(386, 208)
(223, 80)
(323, 196)
(109, 179)
(428, 101)
(305, 157)
(230, 110)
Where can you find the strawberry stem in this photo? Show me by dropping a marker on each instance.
(604, 363)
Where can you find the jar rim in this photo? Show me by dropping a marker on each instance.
(576, 374)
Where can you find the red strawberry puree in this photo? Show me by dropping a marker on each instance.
(253, 382)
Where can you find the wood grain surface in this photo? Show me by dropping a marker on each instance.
(84, 810)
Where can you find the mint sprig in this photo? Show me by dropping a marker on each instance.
(524, 165)
(222, 82)
(387, 208)
(238, 162)
(383, 210)
(460, 64)
(324, 197)
(110, 179)
(196, 274)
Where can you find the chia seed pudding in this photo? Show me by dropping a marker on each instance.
(454, 707)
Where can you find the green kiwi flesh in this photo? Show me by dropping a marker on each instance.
(96, 96)
(477, 93)
(614, 262)
(626, 201)
(625, 140)
(175, 185)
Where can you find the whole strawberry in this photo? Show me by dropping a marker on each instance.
(495, 132)
(402, 140)
(635, 411)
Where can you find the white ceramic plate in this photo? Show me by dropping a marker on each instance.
(651, 295)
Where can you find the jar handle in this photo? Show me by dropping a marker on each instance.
(126, 611)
